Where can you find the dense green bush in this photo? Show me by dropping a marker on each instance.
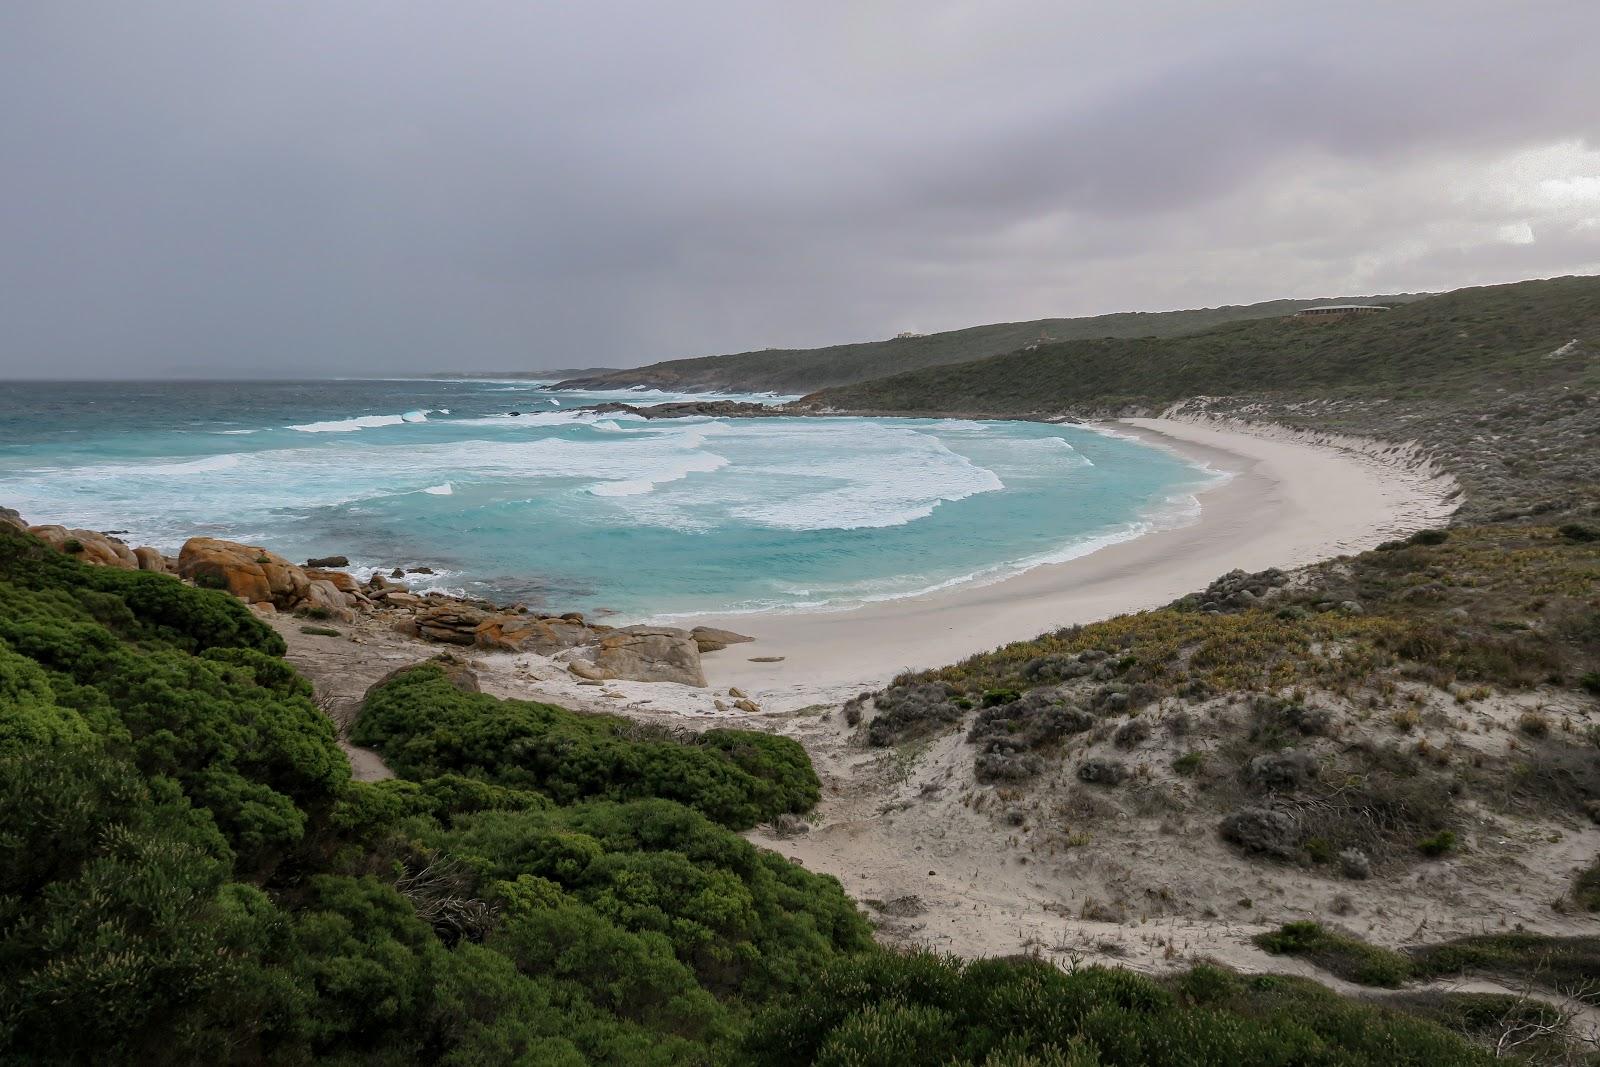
(1338, 954)
(911, 1011)
(425, 726)
(136, 605)
(116, 931)
(1586, 887)
(740, 918)
(1555, 963)
(189, 876)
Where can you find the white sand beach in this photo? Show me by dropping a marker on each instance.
(1290, 500)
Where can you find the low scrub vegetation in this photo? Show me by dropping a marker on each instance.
(1413, 352)
(189, 875)
(1564, 965)
(929, 1011)
(425, 726)
(1526, 596)
(1586, 887)
(1338, 954)
(1338, 761)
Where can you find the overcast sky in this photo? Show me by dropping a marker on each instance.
(343, 186)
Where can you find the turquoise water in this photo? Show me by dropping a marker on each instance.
(578, 511)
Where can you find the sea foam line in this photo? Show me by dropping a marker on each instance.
(362, 422)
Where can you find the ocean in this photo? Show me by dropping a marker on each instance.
(575, 511)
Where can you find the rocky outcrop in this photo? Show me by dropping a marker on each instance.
(93, 547)
(650, 654)
(324, 600)
(531, 633)
(269, 583)
(338, 579)
(88, 546)
(149, 559)
(249, 572)
(328, 561)
(688, 409)
(711, 639)
(450, 624)
(260, 577)
(594, 652)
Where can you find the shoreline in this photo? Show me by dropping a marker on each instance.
(1290, 500)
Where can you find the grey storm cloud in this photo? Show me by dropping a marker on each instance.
(368, 186)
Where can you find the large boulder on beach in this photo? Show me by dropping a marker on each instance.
(450, 623)
(711, 639)
(11, 517)
(340, 580)
(247, 571)
(87, 546)
(650, 654)
(529, 633)
(150, 559)
(324, 600)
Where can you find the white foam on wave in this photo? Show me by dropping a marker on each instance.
(1176, 511)
(1042, 456)
(157, 470)
(781, 474)
(671, 471)
(850, 476)
(204, 465)
(361, 422)
(440, 581)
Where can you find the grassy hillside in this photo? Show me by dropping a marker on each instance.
(1497, 336)
(800, 370)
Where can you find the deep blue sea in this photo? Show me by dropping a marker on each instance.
(573, 510)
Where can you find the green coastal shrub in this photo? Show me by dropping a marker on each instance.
(1440, 844)
(1338, 954)
(1586, 887)
(425, 727)
(936, 1011)
(1554, 963)
(145, 605)
(188, 875)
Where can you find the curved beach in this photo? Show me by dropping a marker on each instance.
(1291, 499)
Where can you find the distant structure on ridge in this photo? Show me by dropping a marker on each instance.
(1339, 311)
